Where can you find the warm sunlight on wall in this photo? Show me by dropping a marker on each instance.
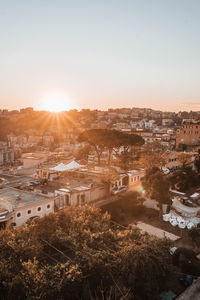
(55, 102)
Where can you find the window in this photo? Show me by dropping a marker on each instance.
(48, 206)
(82, 199)
(67, 199)
(29, 212)
(78, 198)
(39, 208)
(19, 215)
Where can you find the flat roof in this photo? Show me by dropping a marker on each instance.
(81, 188)
(64, 190)
(12, 198)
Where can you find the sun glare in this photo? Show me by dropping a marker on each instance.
(55, 103)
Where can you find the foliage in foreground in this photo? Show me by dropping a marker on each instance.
(79, 254)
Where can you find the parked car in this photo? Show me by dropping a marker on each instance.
(118, 190)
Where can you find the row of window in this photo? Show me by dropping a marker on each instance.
(172, 159)
(29, 211)
(193, 140)
(191, 132)
(135, 178)
(190, 126)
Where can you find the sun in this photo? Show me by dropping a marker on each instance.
(55, 102)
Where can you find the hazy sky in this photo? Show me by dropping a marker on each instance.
(100, 54)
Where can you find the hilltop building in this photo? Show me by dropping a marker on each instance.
(188, 135)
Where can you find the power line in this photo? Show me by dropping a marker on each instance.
(57, 250)
(124, 297)
(51, 257)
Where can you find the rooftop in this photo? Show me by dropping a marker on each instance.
(11, 198)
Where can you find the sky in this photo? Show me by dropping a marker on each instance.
(100, 54)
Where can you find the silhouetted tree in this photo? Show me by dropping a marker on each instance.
(102, 139)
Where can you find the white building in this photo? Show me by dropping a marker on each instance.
(17, 206)
(135, 177)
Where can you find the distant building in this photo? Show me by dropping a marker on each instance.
(26, 110)
(167, 122)
(47, 140)
(188, 135)
(173, 161)
(6, 155)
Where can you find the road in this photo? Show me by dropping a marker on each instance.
(13, 180)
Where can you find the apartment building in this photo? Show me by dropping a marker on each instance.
(188, 135)
(6, 155)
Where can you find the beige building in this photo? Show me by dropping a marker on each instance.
(174, 162)
(135, 177)
(79, 195)
(17, 206)
(188, 134)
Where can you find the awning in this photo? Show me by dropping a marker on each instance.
(62, 167)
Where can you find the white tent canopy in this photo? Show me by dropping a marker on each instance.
(62, 167)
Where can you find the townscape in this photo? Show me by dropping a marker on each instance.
(142, 166)
(100, 150)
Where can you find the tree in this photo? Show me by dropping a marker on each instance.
(185, 159)
(143, 257)
(153, 155)
(184, 179)
(83, 153)
(156, 186)
(197, 162)
(105, 139)
(95, 138)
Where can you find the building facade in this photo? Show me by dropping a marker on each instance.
(6, 155)
(188, 135)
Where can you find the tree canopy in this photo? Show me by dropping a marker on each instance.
(185, 179)
(153, 155)
(105, 139)
(79, 253)
(156, 186)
